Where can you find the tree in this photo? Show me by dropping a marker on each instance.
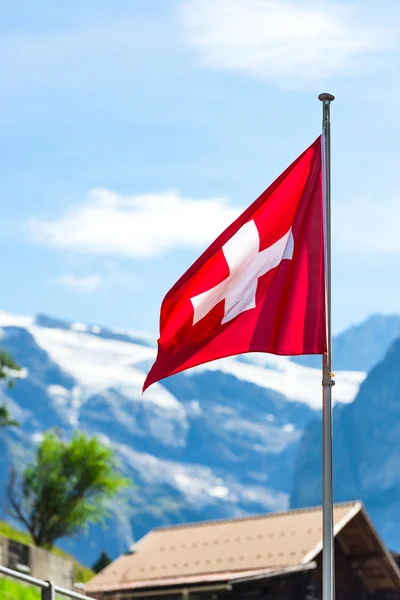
(6, 419)
(101, 563)
(65, 489)
(7, 366)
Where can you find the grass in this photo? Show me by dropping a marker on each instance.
(82, 573)
(13, 534)
(10, 590)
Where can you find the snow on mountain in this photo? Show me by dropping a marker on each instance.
(218, 440)
(99, 363)
(295, 382)
(11, 320)
(199, 484)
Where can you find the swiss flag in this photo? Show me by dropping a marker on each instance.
(260, 286)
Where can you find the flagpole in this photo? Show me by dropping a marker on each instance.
(328, 559)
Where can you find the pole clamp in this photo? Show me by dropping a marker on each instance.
(329, 382)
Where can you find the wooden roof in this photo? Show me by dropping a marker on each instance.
(229, 549)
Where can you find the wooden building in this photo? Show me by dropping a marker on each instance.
(271, 557)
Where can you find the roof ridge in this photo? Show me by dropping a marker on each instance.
(210, 522)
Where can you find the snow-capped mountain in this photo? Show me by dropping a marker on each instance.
(218, 440)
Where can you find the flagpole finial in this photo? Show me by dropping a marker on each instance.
(325, 97)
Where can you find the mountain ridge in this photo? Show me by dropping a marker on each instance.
(361, 346)
(366, 450)
(217, 441)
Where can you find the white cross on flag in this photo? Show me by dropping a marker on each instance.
(260, 286)
(246, 264)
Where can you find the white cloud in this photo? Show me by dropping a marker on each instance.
(278, 39)
(136, 226)
(84, 285)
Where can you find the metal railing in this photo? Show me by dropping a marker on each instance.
(48, 588)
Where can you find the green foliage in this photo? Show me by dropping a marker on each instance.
(82, 574)
(101, 563)
(7, 366)
(13, 534)
(6, 419)
(11, 590)
(65, 488)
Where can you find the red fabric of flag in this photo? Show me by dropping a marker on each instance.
(260, 286)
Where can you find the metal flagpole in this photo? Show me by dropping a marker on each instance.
(328, 559)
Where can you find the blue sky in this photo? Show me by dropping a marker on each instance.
(133, 132)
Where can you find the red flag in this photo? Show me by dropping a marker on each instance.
(260, 286)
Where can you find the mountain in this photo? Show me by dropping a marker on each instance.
(360, 347)
(366, 450)
(217, 441)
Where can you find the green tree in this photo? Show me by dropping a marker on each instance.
(101, 563)
(65, 488)
(7, 366)
(6, 419)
